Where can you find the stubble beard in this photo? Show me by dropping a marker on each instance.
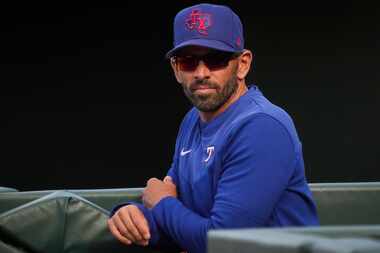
(211, 102)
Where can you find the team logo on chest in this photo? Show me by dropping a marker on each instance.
(210, 152)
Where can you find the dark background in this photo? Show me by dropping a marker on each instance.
(87, 99)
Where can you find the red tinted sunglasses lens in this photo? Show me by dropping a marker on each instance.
(212, 61)
(217, 61)
(187, 63)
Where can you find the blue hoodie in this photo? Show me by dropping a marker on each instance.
(243, 169)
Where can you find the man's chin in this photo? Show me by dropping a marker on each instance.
(206, 106)
(204, 102)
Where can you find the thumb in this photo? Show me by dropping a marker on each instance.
(168, 179)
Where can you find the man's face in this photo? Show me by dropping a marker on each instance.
(208, 77)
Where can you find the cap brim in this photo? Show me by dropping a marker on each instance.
(213, 44)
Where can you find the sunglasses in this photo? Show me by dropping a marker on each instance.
(213, 61)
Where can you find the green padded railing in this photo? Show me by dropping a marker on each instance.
(69, 221)
(347, 203)
(7, 189)
(61, 222)
(105, 198)
(325, 239)
(337, 203)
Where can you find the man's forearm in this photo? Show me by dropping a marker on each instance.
(186, 228)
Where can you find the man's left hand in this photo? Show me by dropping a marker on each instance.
(157, 189)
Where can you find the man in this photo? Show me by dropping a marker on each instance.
(238, 160)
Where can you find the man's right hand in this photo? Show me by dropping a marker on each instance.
(129, 225)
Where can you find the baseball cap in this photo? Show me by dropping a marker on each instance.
(208, 25)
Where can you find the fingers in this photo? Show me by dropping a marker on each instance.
(116, 232)
(123, 226)
(168, 179)
(141, 224)
(136, 223)
(129, 225)
(152, 181)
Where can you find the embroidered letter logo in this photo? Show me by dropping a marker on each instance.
(210, 151)
(199, 21)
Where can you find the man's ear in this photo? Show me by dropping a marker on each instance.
(175, 70)
(244, 60)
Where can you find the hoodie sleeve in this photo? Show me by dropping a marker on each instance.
(258, 162)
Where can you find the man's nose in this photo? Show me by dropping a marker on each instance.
(201, 71)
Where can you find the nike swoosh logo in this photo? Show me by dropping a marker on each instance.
(183, 152)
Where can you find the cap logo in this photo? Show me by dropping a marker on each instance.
(238, 41)
(199, 21)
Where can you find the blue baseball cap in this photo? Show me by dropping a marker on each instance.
(208, 25)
